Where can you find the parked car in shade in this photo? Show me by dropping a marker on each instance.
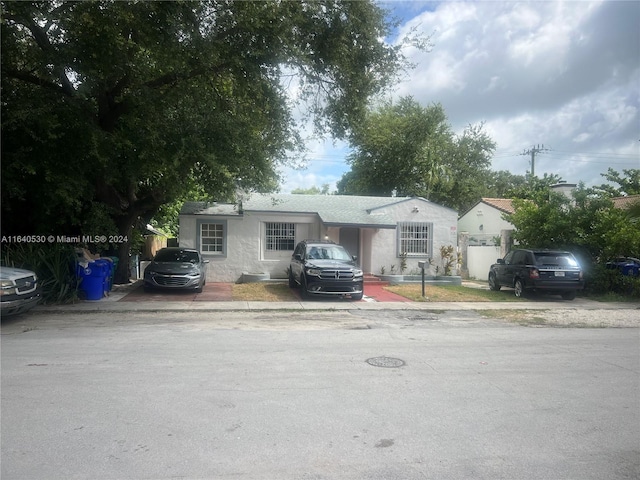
(551, 271)
(176, 268)
(19, 291)
(325, 268)
(626, 265)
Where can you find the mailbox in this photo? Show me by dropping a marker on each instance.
(422, 264)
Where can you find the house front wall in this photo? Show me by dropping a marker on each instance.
(385, 243)
(245, 249)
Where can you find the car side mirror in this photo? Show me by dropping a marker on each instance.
(297, 256)
(500, 261)
(354, 257)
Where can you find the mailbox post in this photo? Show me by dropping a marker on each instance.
(422, 264)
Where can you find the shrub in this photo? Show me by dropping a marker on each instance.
(602, 280)
(53, 263)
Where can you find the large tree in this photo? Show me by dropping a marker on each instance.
(112, 109)
(409, 149)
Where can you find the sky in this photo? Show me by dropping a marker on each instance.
(563, 75)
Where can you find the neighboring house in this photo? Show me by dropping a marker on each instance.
(259, 234)
(625, 202)
(483, 222)
(483, 226)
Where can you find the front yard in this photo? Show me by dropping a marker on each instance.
(280, 292)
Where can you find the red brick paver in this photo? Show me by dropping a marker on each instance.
(212, 292)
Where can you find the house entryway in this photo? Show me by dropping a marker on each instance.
(350, 239)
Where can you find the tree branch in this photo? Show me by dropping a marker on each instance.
(40, 36)
(36, 80)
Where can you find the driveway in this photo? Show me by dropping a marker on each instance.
(222, 292)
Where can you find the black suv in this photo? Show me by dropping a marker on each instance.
(552, 271)
(325, 268)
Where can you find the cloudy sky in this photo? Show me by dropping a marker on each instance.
(565, 75)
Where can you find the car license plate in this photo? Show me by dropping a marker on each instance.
(559, 274)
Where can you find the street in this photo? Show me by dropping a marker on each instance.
(378, 394)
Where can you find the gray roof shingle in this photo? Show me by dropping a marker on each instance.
(332, 209)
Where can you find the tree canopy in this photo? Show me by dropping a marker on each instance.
(409, 149)
(628, 183)
(111, 109)
(587, 221)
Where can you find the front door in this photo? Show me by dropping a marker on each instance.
(350, 239)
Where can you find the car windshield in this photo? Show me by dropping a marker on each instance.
(328, 252)
(176, 256)
(556, 260)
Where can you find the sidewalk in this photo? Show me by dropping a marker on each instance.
(217, 297)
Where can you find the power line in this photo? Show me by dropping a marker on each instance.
(533, 151)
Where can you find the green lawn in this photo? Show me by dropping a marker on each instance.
(280, 292)
(452, 293)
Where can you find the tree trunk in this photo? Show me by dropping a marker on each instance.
(125, 230)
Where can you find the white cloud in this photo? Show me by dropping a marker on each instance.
(562, 74)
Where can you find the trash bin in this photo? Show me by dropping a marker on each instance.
(107, 265)
(93, 279)
(114, 267)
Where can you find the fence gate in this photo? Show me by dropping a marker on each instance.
(479, 260)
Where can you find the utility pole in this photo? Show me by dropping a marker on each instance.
(533, 151)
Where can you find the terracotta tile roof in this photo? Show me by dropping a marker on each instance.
(503, 204)
(625, 202)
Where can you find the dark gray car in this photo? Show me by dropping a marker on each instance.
(176, 268)
(325, 268)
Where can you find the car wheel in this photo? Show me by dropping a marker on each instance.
(519, 288)
(199, 289)
(568, 295)
(493, 282)
(356, 296)
(292, 281)
(147, 288)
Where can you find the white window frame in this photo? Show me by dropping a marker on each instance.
(415, 239)
(276, 233)
(221, 228)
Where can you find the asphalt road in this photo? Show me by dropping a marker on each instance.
(290, 395)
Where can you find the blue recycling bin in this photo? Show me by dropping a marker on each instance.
(93, 276)
(108, 271)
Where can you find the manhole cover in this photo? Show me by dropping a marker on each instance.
(386, 362)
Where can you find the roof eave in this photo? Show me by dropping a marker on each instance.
(360, 225)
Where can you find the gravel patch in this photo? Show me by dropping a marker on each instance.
(591, 318)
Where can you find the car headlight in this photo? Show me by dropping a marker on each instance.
(7, 287)
(314, 271)
(357, 273)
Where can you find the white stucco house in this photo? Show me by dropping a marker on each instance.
(258, 235)
(483, 222)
